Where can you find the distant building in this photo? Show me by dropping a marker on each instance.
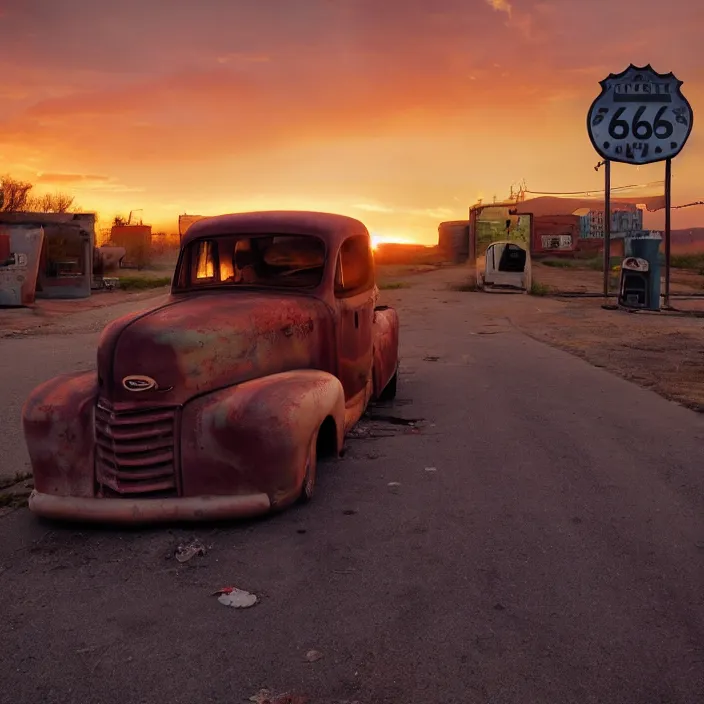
(185, 221)
(137, 242)
(453, 240)
(558, 225)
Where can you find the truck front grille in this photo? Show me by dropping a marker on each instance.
(135, 452)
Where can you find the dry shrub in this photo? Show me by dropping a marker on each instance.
(163, 243)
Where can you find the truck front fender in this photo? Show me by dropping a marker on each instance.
(255, 437)
(386, 333)
(57, 419)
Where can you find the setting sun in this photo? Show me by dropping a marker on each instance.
(378, 239)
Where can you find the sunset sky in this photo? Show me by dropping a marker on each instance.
(399, 112)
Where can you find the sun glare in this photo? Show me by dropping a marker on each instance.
(389, 239)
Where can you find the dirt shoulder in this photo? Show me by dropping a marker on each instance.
(57, 316)
(661, 352)
(575, 276)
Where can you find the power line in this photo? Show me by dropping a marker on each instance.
(686, 205)
(594, 190)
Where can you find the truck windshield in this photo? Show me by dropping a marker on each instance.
(267, 261)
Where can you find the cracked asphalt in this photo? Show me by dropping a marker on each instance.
(537, 535)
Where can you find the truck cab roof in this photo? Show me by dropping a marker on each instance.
(331, 228)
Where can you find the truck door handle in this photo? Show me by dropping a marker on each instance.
(356, 319)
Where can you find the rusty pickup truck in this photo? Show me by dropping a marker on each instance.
(218, 402)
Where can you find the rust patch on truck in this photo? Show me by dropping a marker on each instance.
(57, 421)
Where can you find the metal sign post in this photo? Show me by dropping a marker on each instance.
(607, 226)
(668, 210)
(640, 117)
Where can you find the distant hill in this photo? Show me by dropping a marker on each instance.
(689, 241)
(693, 234)
(392, 253)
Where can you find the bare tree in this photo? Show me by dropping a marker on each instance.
(51, 203)
(15, 194)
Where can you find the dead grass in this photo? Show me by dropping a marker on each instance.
(393, 285)
(691, 262)
(14, 500)
(561, 263)
(14, 492)
(592, 264)
(538, 289)
(391, 277)
(18, 477)
(468, 286)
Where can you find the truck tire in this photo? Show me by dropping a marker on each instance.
(308, 487)
(389, 392)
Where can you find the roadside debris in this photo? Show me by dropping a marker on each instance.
(313, 655)
(395, 420)
(236, 598)
(187, 551)
(374, 425)
(14, 492)
(431, 469)
(392, 484)
(265, 696)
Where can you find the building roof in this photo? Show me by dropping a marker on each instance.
(329, 227)
(551, 205)
(547, 205)
(453, 223)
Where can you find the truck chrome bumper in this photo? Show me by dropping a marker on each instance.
(135, 511)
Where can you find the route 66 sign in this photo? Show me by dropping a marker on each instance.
(640, 117)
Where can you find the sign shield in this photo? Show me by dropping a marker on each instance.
(640, 117)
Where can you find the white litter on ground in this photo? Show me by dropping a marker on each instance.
(237, 598)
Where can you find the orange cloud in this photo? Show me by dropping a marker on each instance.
(201, 114)
(70, 178)
(501, 6)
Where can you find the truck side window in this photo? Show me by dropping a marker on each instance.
(203, 261)
(355, 267)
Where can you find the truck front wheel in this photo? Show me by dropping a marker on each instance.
(389, 392)
(308, 488)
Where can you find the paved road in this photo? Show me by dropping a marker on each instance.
(556, 554)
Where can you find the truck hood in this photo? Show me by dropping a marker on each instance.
(194, 345)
